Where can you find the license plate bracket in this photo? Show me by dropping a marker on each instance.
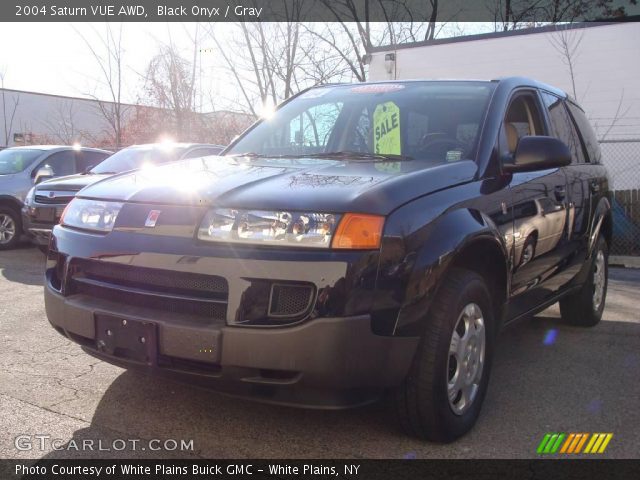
(46, 214)
(133, 340)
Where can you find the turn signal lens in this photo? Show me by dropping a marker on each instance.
(359, 231)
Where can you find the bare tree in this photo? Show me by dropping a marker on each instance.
(170, 86)
(619, 114)
(109, 55)
(63, 125)
(269, 61)
(8, 115)
(566, 41)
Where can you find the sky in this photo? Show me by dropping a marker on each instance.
(53, 58)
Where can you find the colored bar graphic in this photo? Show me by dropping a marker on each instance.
(605, 442)
(598, 443)
(572, 443)
(581, 443)
(592, 441)
(543, 443)
(567, 443)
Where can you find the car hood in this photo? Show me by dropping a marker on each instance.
(70, 183)
(301, 184)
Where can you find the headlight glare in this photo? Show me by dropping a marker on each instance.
(91, 215)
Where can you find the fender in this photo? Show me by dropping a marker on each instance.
(12, 201)
(601, 215)
(412, 266)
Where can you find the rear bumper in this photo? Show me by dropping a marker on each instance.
(322, 363)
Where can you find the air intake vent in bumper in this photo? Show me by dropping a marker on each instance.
(288, 300)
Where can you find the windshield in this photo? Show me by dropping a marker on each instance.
(434, 122)
(133, 158)
(16, 160)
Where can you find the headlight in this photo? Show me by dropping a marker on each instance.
(268, 228)
(91, 215)
(28, 200)
(296, 229)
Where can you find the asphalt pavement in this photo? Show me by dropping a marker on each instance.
(547, 377)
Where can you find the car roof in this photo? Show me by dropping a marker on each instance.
(510, 82)
(46, 148)
(178, 144)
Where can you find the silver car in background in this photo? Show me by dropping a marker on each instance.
(23, 167)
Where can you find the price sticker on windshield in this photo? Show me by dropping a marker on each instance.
(386, 129)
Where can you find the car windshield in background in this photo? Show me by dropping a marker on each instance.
(133, 158)
(435, 122)
(15, 161)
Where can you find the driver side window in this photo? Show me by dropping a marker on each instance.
(523, 118)
(307, 132)
(61, 163)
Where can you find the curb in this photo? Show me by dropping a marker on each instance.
(624, 261)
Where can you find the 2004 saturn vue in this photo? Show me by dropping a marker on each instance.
(363, 239)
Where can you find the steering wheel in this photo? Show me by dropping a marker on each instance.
(436, 143)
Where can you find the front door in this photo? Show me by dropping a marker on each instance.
(540, 242)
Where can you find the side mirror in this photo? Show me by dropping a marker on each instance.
(538, 153)
(43, 173)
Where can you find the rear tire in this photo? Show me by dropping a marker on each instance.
(441, 397)
(10, 228)
(584, 308)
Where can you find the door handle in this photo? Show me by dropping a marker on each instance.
(560, 192)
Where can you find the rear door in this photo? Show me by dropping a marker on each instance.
(580, 182)
(540, 205)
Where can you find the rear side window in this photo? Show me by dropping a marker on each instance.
(588, 135)
(62, 163)
(87, 160)
(563, 127)
(201, 152)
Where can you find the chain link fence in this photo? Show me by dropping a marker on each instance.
(622, 159)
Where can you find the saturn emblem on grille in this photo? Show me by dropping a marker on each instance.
(52, 194)
(152, 218)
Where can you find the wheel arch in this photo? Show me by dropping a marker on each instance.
(461, 238)
(11, 202)
(485, 257)
(602, 223)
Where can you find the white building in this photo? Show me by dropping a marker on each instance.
(606, 66)
(28, 118)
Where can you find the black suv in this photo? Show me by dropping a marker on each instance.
(364, 238)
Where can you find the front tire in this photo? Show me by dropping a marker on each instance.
(10, 228)
(528, 250)
(584, 308)
(441, 397)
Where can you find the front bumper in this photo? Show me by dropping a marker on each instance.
(33, 224)
(324, 361)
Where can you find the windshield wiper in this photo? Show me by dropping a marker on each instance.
(346, 154)
(354, 155)
(263, 155)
